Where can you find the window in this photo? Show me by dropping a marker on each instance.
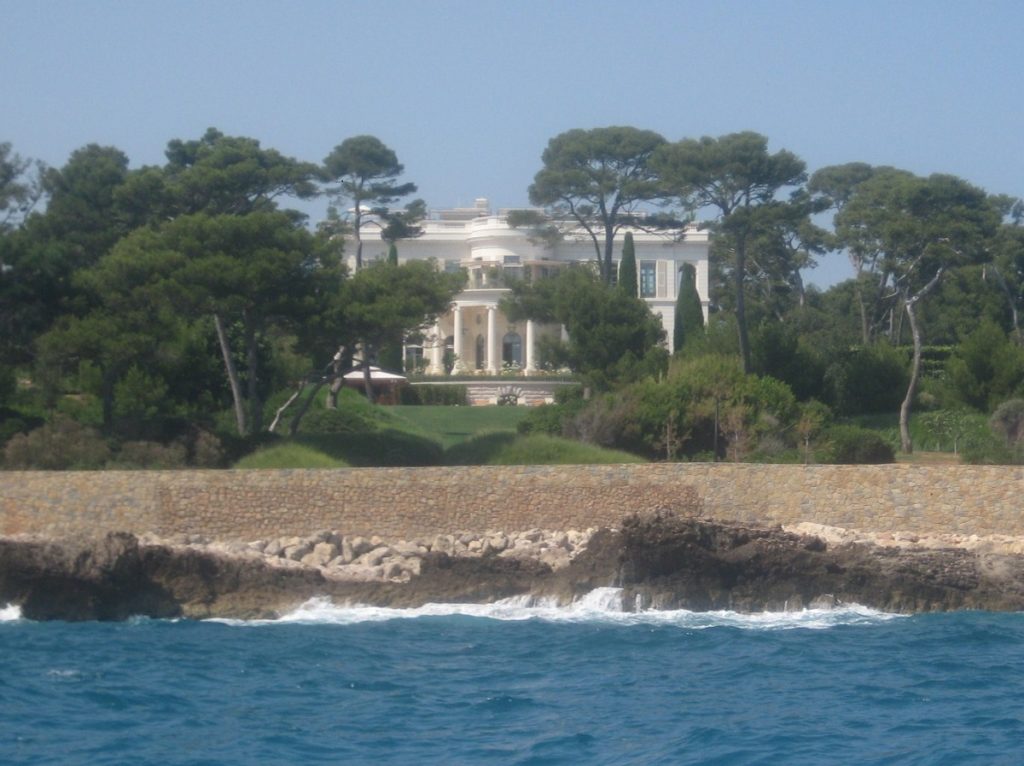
(648, 279)
(512, 349)
(414, 361)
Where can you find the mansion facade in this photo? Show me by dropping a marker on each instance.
(475, 336)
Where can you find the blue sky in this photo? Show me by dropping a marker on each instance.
(468, 93)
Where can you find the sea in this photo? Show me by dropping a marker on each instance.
(516, 683)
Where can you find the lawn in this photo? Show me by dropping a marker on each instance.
(453, 425)
(425, 435)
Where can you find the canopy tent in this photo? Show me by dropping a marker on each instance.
(383, 382)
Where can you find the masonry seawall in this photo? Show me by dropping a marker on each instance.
(404, 503)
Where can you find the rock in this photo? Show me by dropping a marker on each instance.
(660, 561)
(361, 545)
(273, 548)
(297, 551)
(320, 555)
(348, 553)
(374, 557)
(497, 542)
(443, 544)
(407, 549)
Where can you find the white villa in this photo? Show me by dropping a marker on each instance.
(475, 333)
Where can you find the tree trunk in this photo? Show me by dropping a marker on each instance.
(252, 361)
(608, 264)
(915, 367)
(293, 426)
(865, 331)
(280, 410)
(357, 221)
(1014, 314)
(741, 308)
(342, 362)
(367, 381)
(910, 306)
(229, 366)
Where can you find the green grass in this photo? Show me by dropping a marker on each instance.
(361, 434)
(453, 425)
(510, 449)
(289, 455)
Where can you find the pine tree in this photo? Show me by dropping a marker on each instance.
(393, 254)
(689, 315)
(627, 267)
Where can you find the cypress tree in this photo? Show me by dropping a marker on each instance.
(627, 267)
(689, 315)
(393, 254)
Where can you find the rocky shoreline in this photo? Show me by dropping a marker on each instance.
(659, 560)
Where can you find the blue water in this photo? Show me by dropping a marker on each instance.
(516, 685)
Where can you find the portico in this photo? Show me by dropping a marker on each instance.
(479, 339)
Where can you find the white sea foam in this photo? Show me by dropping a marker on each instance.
(10, 613)
(600, 605)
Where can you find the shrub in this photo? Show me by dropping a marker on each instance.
(867, 380)
(12, 423)
(289, 455)
(447, 395)
(61, 444)
(344, 420)
(207, 450)
(509, 449)
(853, 444)
(1008, 421)
(143, 454)
(605, 421)
(551, 418)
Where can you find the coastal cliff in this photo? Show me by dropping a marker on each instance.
(660, 561)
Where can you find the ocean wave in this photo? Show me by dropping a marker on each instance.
(10, 613)
(603, 605)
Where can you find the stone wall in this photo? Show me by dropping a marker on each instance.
(413, 502)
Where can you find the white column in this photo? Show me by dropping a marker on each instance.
(460, 352)
(530, 365)
(437, 351)
(493, 360)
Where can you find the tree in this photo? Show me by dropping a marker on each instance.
(230, 175)
(613, 337)
(80, 224)
(835, 185)
(923, 227)
(689, 316)
(627, 267)
(737, 176)
(785, 242)
(598, 179)
(255, 270)
(20, 187)
(365, 171)
(383, 302)
(986, 368)
(393, 254)
(1007, 267)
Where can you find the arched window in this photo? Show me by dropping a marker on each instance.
(512, 349)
